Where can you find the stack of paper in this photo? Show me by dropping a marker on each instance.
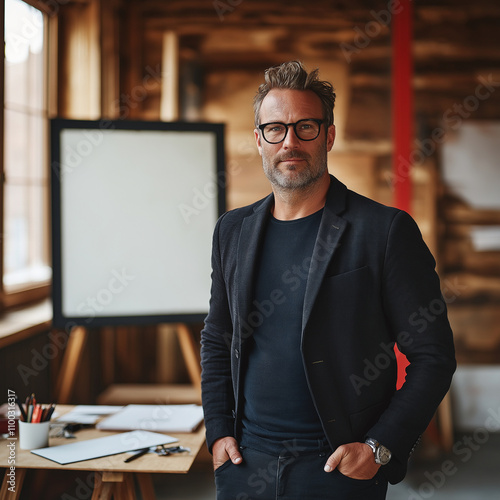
(88, 414)
(156, 418)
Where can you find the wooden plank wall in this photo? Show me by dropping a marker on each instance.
(225, 45)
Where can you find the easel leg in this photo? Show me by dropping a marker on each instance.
(190, 351)
(71, 362)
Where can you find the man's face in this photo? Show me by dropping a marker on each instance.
(292, 163)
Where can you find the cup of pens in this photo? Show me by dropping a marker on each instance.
(34, 424)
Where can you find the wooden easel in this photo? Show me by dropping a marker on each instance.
(73, 354)
(71, 362)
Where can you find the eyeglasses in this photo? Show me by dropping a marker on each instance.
(306, 130)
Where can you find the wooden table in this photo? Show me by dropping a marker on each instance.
(113, 477)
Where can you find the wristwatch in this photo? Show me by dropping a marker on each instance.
(381, 453)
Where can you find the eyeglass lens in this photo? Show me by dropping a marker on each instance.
(306, 130)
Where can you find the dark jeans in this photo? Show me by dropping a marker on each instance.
(291, 475)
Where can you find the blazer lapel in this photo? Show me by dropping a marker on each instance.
(252, 232)
(330, 231)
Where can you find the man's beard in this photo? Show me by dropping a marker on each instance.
(305, 176)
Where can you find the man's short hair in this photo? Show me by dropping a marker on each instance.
(292, 75)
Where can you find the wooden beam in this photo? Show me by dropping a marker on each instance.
(132, 51)
(170, 78)
(110, 72)
(79, 63)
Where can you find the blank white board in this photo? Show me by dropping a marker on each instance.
(134, 207)
(470, 163)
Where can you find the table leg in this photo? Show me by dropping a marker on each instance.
(102, 491)
(9, 494)
(126, 489)
(116, 485)
(145, 481)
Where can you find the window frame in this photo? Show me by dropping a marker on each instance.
(30, 292)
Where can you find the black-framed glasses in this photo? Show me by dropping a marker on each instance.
(307, 129)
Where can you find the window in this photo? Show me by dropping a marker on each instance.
(26, 261)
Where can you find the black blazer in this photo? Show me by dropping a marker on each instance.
(372, 283)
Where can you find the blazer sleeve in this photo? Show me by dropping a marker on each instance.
(416, 312)
(216, 383)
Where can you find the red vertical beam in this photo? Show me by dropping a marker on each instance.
(402, 102)
(402, 121)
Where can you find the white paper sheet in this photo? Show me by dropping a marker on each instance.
(159, 418)
(88, 414)
(102, 447)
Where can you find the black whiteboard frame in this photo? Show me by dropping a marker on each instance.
(57, 126)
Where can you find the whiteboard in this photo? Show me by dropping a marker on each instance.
(470, 163)
(134, 205)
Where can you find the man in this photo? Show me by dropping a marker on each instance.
(311, 288)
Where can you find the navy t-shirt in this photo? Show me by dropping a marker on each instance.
(277, 403)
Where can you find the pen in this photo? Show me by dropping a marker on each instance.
(50, 411)
(23, 413)
(137, 455)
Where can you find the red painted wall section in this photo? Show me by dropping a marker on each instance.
(402, 120)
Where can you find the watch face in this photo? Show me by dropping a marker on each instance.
(383, 455)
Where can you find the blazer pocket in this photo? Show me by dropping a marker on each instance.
(363, 420)
(346, 300)
(348, 274)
